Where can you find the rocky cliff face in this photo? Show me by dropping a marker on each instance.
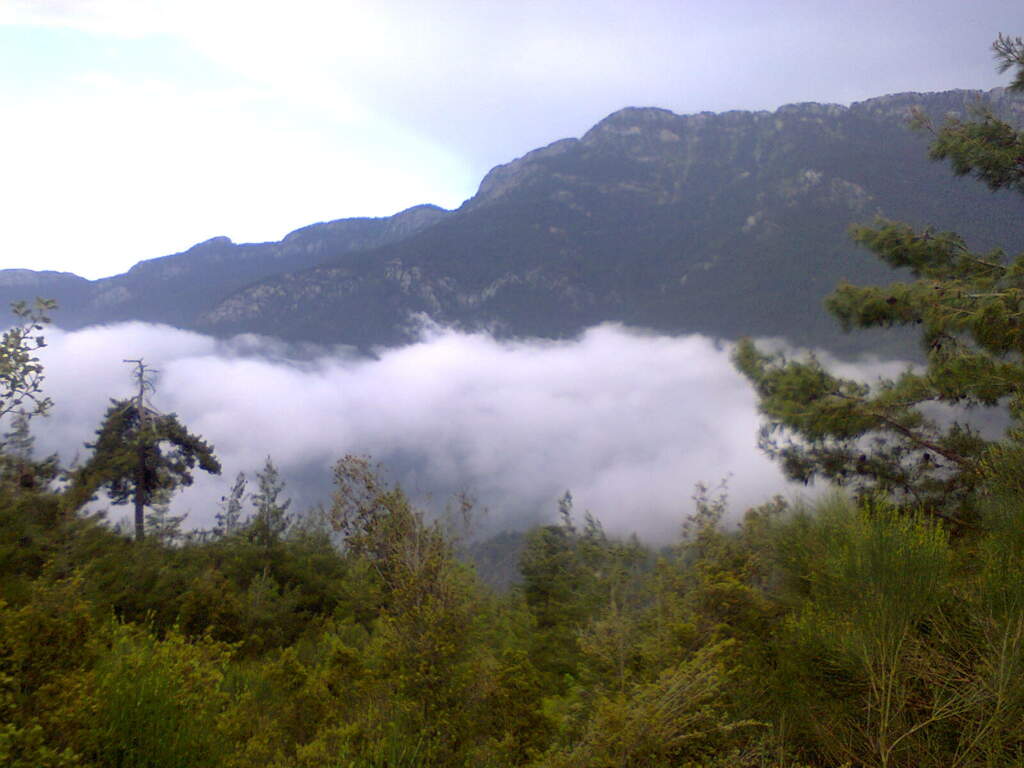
(726, 224)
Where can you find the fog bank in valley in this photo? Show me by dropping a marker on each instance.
(627, 421)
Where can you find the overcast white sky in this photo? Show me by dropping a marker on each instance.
(136, 128)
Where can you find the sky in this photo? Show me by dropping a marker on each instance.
(629, 422)
(133, 129)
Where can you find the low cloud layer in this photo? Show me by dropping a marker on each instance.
(628, 421)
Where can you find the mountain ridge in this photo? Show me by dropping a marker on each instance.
(650, 218)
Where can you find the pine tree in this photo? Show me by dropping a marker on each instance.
(19, 469)
(271, 518)
(969, 308)
(140, 453)
(18, 440)
(161, 525)
(136, 456)
(229, 519)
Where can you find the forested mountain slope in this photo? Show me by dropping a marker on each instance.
(727, 224)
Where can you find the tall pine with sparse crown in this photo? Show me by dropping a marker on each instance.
(137, 456)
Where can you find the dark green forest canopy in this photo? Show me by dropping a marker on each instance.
(814, 637)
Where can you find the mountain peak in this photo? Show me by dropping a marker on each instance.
(214, 242)
(632, 121)
(636, 116)
(503, 178)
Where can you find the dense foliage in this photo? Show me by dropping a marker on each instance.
(21, 374)
(843, 633)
